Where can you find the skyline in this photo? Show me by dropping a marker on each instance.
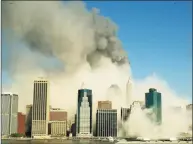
(140, 35)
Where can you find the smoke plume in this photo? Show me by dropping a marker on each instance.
(68, 45)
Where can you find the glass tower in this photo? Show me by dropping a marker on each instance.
(153, 101)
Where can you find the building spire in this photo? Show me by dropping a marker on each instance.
(82, 85)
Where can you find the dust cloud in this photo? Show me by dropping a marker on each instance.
(69, 45)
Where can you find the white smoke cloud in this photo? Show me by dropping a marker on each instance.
(61, 42)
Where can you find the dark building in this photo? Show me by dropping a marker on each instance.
(21, 123)
(28, 120)
(106, 123)
(104, 105)
(153, 101)
(84, 113)
(73, 129)
(125, 114)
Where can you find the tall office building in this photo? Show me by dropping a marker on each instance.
(58, 122)
(28, 120)
(9, 110)
(40, 108)
(21, 123)
(129, 93)
(106, 123)
(84, 113)
(153, 101)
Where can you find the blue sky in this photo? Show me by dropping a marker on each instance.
(157, 37)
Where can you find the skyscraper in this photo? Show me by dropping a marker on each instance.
(84, 113)
(104, 105)
(153, 101)
(40, 108)
(9, 110)
(129, 93)
(106, 123)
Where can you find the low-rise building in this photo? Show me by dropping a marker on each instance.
(58, 122)
(58, 128)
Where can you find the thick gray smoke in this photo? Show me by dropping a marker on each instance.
(66, 31)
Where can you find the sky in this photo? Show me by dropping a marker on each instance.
(157, 37)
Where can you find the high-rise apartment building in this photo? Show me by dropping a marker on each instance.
(84, 113)
(9, 110)
(40, 108)
(104, 105)
(58, 121)
(106, 123)
(21, 123)
(28, 120)
(153, 101)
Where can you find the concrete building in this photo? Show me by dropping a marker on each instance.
(84, 113)
(9, 110)
(104, 105)
(57, 114)
(58, 128)
(21, 123)
(58, 122)
(106, 123)
(153, 101)
(28, 120)
(40, 108)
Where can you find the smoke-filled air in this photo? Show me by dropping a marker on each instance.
(74, 47)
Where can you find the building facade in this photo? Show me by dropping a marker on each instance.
(106, 123)
(84, 113)
(21, 123)
(40, 108)
(104, 105)
(58, 122)
(28, 120)
(58, 128)
(153, 101)
(57, 114)
(9, 110)
(125, 114)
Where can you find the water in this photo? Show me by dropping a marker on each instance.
(52, 142)
(74, 142)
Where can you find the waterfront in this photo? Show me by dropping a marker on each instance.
(60, 141)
